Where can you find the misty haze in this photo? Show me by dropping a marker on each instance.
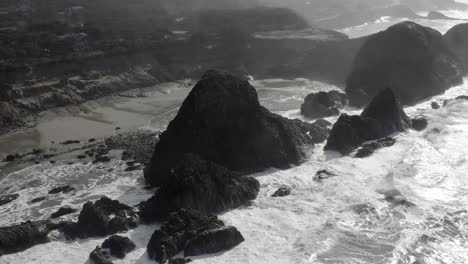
(234, 131)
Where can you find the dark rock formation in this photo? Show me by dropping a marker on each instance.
(8, 198)
(101, 218)
(23, 236)
(222, 121)
(419, 123)
(458, 98)
(213, 240)
(320, 130)
(457, 39)
(179, 261)
(414, 60)
(200, 185)
(282, 191)
(63, 211)
(322, 175)
(38, 199)
(382, 117)
(323, 104)
(10, 158)
(99, 256)
(435, 105)
(368, 148)
(190, 231)
(118, 246)
(62, 189)
(101, 159)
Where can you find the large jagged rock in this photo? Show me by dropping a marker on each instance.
(117, 246)
(323, 104)
(193, 232)
(382, 117)
(457, 39)
(200, 185)
(222, 121)
(412, 59)
(25, 235)
(102, 218)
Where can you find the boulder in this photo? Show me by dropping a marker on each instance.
(282, 191)
(320, 131)
(118, 246)
(193, 232)
(457, 39)
(222, 121)
(63, 211)
(323, 175)
(99, 256)
(102, 218)
(380, 118)
(435, 105)
(368, 148)
(200, 185)
(62, 189)
(419, 123)
(414, 60)
(23, 236)
(213, 241)
(38, 199)
(8, 198)
(323, 104)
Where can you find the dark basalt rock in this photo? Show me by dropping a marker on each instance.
(190, 231)
(322, 175)
(419, 123)
(282, 191)
(62, 189)
(63, 211)
(23, 236)
(101, 159)
(38, 199)
(222, 121)
(10, 158)
(414, 60)
(368, 148)
(213, 240)
(69, 142)
(119, 246)
(323, 104)
(8, 198)
(101, 218)
(435, 105)
(458, 98)
(179, 261)
(99, 256)
(457, 39)
(200, 185)
(382, 117)
(320, 130)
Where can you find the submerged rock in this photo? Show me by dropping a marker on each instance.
(405, 55)
(117, 246)
(101, 218)
(419, 123)
(23, 236)
(193, 233)
(200, 185)
(320, 130)
(382, 117)
(62, 189)
(368, 148)
(8, 198)
(457, 39)
(323, 104)
(322, 175)
(222, 121)
(435, 105)
(63, 211)
(282, 191)
(38, 199)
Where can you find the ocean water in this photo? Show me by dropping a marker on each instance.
(343, 219)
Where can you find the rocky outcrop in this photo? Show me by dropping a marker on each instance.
(419, 123)
(323, 104)
(62, 189)
(320, 129)
(8, 198)
(368, 148)
(222, 121)
(63, 211)
(25, 235)
(200, 185)
(457, 39)
(117, 246)
(282, 191)
(382, 117)
(412, 59)
(101, 218)
(193, 233)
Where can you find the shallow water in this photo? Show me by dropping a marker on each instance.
(343, 219)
